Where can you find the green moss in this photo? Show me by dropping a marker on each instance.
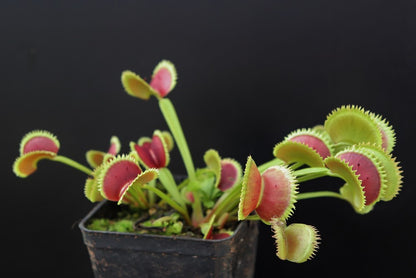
(102, 224)
(125, 226)
(140, 222)
(99, 224)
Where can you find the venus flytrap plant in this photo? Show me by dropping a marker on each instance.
(352, 145)
(38, 145)
(297, 242)
(95, 158)
(162, 83)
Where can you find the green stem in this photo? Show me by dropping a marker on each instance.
(170, 202)
(269, 164)
(226, 202)
(313, 173)
(168, 182)
(318, 194)
(311, 170)
(141, 197)
(234, 211)
(232, 205)
(175, 127)
(197, 212)
(133, 198)
(151, 194)
(296, 165)
(74, 164)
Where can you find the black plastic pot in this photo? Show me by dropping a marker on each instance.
(115, 254)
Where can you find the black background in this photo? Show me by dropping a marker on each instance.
(249, 73)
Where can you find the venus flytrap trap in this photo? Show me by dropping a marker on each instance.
(352, 145)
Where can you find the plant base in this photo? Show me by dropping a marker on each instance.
(115, 254)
